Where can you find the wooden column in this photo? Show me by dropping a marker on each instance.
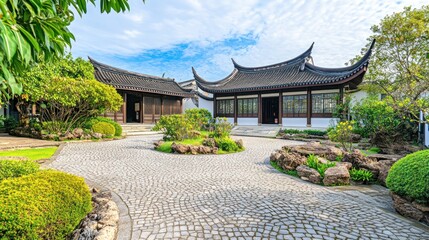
(214, 106)
(181, 105)
(162, 105)
(235, 109)
(341, 99)
(124, 109)
(309, 107)
(259, 109)
(280, 108)
(141, 109)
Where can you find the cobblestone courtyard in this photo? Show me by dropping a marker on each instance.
(236, 196)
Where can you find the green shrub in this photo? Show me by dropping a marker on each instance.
(313, 162)
(15, 168)
(221, 128)
(227, 144)
(410, 176)
(10, 123)
(44, 205)
(375, 150)
(53, 126)
(174, 127)
(342, 133)
(200, 118)
(291, 131)
(90, 122)
(361, 175)
(104, 128)
(315, 132)
(2, 118)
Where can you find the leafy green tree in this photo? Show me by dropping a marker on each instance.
(399, 66)
(35, 29)
(66, 92)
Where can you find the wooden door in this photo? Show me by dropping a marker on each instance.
(148, 110)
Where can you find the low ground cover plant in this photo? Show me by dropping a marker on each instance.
(305, 131)
(313, 162)
(16, 168)
(43, 205)
(409, 176)
(361, 175)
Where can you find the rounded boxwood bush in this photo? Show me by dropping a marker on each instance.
(15, 168)
(104, 128)
(89, 123)
(410, 176)
(44, 205)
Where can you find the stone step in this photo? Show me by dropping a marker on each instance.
(138, 129)
(256, 131)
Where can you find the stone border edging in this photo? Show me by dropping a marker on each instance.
(397, 215)
(125, 223)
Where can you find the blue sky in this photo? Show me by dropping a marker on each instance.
(169, 37)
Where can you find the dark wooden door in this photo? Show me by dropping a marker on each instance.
(148, 110)
(270, 110)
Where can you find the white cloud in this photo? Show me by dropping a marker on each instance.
(283, 29)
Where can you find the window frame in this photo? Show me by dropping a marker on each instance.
(222, 106)
(251, 104)
(299, 98)
(323, 104)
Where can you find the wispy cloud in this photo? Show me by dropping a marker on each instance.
(171, 36)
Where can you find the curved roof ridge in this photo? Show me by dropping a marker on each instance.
(356, 65)
(302, 56)
(115, 69)
(198, 78)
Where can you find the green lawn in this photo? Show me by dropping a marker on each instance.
(30, 153)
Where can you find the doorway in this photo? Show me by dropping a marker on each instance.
(133, 108)
(270, 110)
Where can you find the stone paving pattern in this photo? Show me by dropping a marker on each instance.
(234, 196)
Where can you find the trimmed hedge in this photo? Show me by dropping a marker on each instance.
(44, 205)
(410, 176)
(104, 128)
(15, 168)
(89, 123)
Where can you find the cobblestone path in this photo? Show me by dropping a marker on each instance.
(235, 196)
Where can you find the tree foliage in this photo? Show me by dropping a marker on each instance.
(66, 92)
(31, 30)
(399, 65)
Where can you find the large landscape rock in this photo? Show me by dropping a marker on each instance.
(191, 149)
(412, 209)
(359, 161)
(329, 152)
(288, 160)
(338, 175)
(180, 148)
(384, 167)
(308, 174)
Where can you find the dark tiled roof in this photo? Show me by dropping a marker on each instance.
(297, 72)
(126, 80)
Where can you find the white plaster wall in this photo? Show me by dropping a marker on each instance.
(206, 104)
(230, 120)
(324, 122)
(247, 121)
(188, 104)
(294, 122)
(357, 97)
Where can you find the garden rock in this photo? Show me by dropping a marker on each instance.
(102, 222)
(308, 174)
(407, 207)
(344, 164)
(179, 148)
(239, 143)
(184, 149)
(158, 143)
(384, 167)
(358, 160)
(328, 152)
(97, 135)
(355, 138)
(290, 161)
(338, 175)
(77, 132)
(209, 142)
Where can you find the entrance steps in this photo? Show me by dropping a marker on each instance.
(135, 129)
(268, 131)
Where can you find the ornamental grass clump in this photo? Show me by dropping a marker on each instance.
(361, 175)
(410, 176)
(44, 205)
(313, 162)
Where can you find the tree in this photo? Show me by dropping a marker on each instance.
(31, 30)
(399, 66)
(66, 92)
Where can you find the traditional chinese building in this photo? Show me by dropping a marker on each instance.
(146, 98)
(293, 93)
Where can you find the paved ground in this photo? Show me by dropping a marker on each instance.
(236, 196)
(8, 142)
(258, 131)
